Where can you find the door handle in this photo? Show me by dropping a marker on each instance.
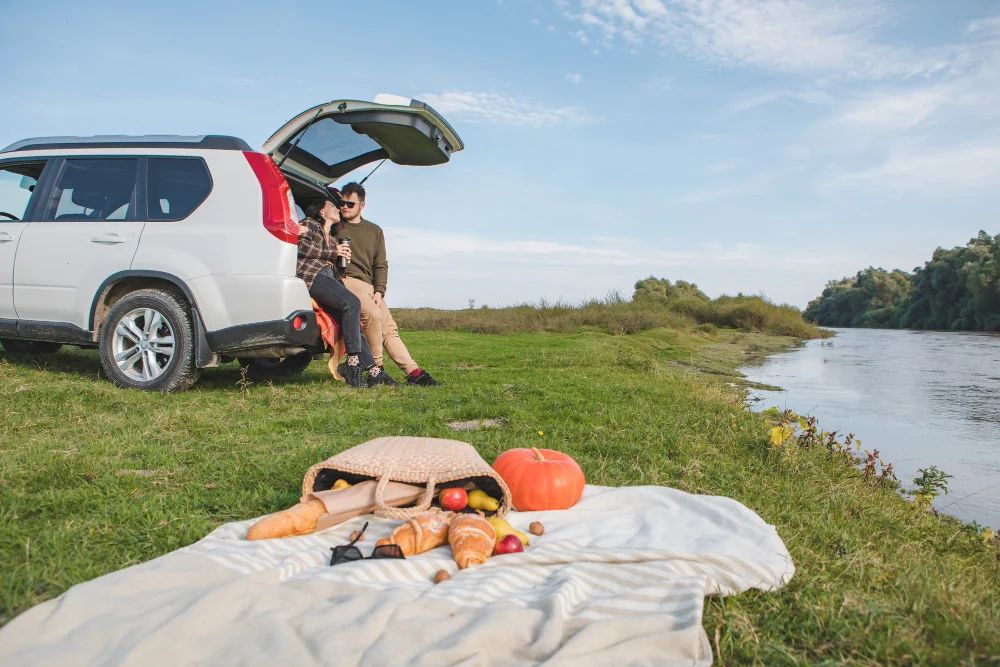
(5, 237)
(107, 239)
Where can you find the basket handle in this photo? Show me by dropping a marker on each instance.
(381, 509)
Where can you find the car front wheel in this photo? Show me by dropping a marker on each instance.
(147, 342)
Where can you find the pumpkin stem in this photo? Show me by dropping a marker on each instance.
(538, 454)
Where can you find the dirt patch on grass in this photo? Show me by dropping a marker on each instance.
(476, 424)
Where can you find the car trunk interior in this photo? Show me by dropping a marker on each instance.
(304, 191)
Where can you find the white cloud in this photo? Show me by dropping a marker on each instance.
(443, 247)
(782, 96)
(782, 35)
(427, 266)
(897, 109)
(932, 170)
(968, 96)
(575, 78)
(496, 109)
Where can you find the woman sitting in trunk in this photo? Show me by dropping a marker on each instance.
(318, 267)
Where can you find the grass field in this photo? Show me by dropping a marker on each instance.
(94, 478)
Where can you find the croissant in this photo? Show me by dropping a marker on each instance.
(422, 533)
(296, 520)
(472, 538)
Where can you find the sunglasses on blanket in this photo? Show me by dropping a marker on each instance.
(349, 553)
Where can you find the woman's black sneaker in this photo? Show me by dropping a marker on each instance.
(355, 375)
(424, 379)
(381, 378)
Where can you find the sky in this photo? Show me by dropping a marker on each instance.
(754, 146)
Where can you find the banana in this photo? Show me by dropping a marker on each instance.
(478, 500)
(504, 529)
(340, 484)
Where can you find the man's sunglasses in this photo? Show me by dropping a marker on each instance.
(349, 553)
(347, 204)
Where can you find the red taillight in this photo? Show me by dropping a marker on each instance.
(279, 207)
(297, 323)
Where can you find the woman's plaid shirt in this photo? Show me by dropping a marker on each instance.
(314, 252)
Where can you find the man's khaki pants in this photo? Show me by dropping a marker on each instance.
(380, 328)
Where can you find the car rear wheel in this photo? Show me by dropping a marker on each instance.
(29, 346)
(268, 368)
(147, 342)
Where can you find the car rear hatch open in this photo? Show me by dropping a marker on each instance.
(330, 140)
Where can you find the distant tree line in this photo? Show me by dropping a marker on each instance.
(958, 290)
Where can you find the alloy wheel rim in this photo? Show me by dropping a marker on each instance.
(143, 344)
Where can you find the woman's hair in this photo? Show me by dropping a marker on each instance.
(314, 207)
(313, 210)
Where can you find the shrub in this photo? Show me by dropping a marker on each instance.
(656, 303)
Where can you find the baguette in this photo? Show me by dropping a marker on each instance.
(299, 519)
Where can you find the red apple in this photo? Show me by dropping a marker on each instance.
(510, 544)
(454, 499)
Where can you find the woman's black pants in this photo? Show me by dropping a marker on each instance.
(344, 307)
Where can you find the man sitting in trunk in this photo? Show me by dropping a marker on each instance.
(366, 276)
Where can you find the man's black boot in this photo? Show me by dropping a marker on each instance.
(422, 379)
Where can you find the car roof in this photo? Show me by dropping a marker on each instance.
(203, 141)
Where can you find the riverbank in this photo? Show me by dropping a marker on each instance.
(921, 398)
(95, 478)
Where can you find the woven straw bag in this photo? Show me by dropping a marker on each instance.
(431, 461)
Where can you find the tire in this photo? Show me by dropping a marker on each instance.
(29, 346)
(262, 369)
(155, 364)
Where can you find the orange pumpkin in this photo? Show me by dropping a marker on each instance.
(540, 479)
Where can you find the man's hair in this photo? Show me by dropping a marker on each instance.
(353, 188)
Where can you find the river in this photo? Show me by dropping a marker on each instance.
(921, 398)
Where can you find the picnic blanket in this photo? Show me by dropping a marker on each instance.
(619, 579)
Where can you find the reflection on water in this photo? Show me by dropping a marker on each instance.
(920, 398)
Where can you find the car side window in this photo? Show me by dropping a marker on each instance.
(95, 189)
(17, 186)
(175, 187)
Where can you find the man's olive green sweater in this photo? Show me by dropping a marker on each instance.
(368, 262)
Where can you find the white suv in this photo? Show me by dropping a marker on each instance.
(172, 253)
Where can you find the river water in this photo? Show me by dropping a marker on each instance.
(921, 398)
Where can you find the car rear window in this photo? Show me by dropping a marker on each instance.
(327, 143)
(175, 187)
(95, 189)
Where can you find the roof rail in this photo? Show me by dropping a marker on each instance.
(203, 141)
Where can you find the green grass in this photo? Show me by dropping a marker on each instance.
(94, 478)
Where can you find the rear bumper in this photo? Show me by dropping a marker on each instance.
(264, 334)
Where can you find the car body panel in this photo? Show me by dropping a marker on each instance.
(233, 300)
(59, 267)
(10, 235)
